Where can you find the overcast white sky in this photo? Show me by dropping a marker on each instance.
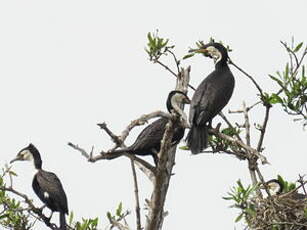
(67, 65)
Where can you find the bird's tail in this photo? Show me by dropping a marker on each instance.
(197, 138)
(62, 221)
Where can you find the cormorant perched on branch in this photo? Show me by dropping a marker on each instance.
(210, 97)
(149, 140)
(46, 185)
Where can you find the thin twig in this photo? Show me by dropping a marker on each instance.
(291, 52)
(222, 115)
(166, 67)
(150, 170)
(246, 124)
(175, 59)
(115, 138)
(137, 199)
(301, 181)
(263, 127)
(172, 72)
(249, 76)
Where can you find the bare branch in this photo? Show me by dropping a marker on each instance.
(240, 144)
(166, 67)
(137, 199)
(141, 121)
(155, 216)
(172, 72)
(166, 162)
(175, 59)
(246, 124)
(81, 150)
(263, 127)
(115, 138)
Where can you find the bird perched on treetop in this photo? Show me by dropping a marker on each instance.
(210, 97)
(149, 140)
(46, 185)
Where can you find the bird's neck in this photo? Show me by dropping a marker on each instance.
(221, 65)
(37, 159)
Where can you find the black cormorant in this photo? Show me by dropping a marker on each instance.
(210, 97)
(149, 140)
(46, 185)
(277, 188)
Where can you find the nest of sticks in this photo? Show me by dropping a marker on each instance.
(279, 212)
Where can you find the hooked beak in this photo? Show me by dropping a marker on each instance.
(187, 100)
(263, 186)
(15, 159)
(201, 50)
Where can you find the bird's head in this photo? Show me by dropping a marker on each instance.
(213, 50)
(26, 154)
(175, 98)
(275, 186)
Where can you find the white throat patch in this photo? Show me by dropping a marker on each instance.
(26, 155)
(214, 53)
(176, 100)
(274, 188)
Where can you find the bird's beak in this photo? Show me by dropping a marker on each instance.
(202, 50)
(15, 159)
(262, 186)
(187, 100)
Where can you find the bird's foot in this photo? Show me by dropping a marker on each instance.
(42, 208)
(185, 124)
(49, 218)
(217, 128)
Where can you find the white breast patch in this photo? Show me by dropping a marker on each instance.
(46, 195)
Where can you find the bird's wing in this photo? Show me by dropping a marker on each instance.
(201, 103)
(151, 135)
(52, 188)
(39, 192)
(210, 97)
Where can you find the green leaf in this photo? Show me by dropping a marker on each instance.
(227, 198)
(274, 99)
(286, 73)
(12, 173)
(188, 56)
(149, 38)
(4, 216)
(184, 148)
(239, 217)
(291, 186)
(298, 47)
(71, 217)
(250, 211)
(109, 215)
(165, 43)
(240, 184)
(119, 209)
(279, 82)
